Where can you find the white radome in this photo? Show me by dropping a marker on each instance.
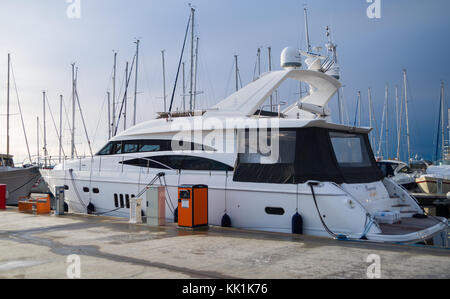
(291, 58)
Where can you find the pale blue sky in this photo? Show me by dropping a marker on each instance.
(43, 42)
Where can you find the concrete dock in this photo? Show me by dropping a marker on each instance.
(43, 247)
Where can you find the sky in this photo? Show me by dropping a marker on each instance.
(44, 41)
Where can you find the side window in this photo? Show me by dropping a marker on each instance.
(116, 148)
(106, 150)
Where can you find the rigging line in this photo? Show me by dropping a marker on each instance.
(103, 105)
(21, 116)
(33, 178)
(99, 119)
(229, 80)
(179, 64)
(54, 123)
(68, 123)
(124, 95)
(84, 124)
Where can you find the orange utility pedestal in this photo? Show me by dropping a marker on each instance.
(193, 206)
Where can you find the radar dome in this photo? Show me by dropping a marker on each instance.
(291, 58)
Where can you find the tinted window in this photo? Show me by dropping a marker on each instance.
(350, 150)
(141, 146)
(180, 163)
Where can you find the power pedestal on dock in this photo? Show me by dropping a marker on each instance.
(193, 206)
(156, 206)
(59, 200)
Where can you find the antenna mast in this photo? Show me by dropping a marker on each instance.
(308, 45)
(164, 79)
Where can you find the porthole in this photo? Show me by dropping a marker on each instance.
(85, 189)
(275, 211)
(96, 190)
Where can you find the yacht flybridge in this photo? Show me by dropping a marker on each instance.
(262, 169)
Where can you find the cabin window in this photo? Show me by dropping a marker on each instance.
(350, 149)
(96, 190)
(85, 189)
(144, 146)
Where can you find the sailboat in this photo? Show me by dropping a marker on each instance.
(437, 177)
(18, 180)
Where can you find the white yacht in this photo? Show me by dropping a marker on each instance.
(321, 172)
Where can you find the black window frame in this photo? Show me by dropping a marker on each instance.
(163, 145)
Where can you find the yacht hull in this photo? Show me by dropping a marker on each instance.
(245, 203)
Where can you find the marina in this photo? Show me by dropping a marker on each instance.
(42, 245)
(275, 179)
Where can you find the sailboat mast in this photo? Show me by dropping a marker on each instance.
(108, 94)
(359, 109)
(114, 95)
(136, 82)
(184, 88)
(125, 99)
(72, 154)
(7, 107)
(191, 91)
(400, 125)
(396, 112)
(407, 118)
(371, 116)
(37, 138)
(196, 72)
(270, 69)
(45, 132)
(60, 127)
(387, 121)
(236, 71)
(164, 79)
(443, 120)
